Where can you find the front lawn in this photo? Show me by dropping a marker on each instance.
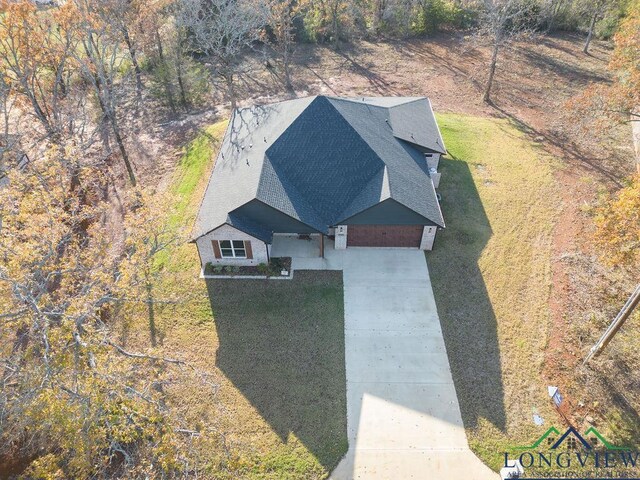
(491, 274)
(272, 353)
(281, 346)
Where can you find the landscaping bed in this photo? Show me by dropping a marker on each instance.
(273, 269)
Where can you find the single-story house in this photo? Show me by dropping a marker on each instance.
(359, 171)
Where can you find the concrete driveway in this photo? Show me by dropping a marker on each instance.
(403, 414)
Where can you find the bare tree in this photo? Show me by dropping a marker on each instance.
(281, 34)
(501, 22)
(221, 30)
(99, 58)
(127, 14)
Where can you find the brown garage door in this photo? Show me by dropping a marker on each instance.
(384, 235)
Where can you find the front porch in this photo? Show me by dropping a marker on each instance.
(306, 252)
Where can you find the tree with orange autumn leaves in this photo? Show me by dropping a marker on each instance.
(75, 402)
(618, 227)
(35, 57)
(620, 100)
(618, 218)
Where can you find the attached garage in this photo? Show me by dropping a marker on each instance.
(384, 235)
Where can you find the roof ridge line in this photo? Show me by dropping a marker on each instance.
(342, 213)
(283, 180)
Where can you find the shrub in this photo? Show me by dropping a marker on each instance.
(435, 15)
(277, 264)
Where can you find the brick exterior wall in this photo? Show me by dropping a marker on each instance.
(227, 232)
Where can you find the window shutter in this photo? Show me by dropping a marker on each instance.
(216, 248)
(247, 247)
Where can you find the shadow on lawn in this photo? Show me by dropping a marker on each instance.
(466, 314)
(282, 346)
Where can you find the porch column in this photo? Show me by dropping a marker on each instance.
(428, 236)
(341, 237)
(322, 245)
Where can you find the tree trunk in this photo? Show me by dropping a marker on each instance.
(39, 111)
(152, 313)
(335, 26)
(134, 61)
(168, 88)
(492, 71)
(286, 60)
(113, 121)
(590, 34)
(159, 45)
(123, 151)
(378, 15)
(183, 92)
(231, 91)
(184, 99)
(103, 91)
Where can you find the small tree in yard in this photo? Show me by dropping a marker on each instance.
(500, 23)
(148, 235)
(595, 10)
(221, 30)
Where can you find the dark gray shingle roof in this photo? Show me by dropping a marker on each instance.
(322, 160)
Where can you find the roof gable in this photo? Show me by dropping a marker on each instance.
(414, 122)
(387, 212)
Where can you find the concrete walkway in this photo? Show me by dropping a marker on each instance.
(402, 411)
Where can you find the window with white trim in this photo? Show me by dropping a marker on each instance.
(233, 249)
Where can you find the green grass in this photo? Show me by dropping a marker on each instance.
(187, 187)
(491, 274)
(283, 350)
(276, 349)
(193, 167)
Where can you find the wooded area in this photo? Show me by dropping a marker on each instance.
(81, 235)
